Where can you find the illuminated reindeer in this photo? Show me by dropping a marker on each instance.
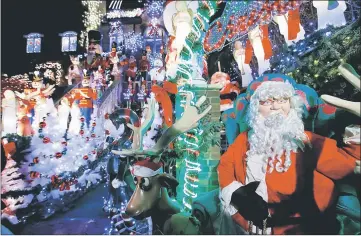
(150, 197)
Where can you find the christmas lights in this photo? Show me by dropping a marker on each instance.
(53, 65)
(124, 13)
(155, 9)
(91, 19)
(133, 41)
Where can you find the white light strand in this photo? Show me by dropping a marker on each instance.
(124, 13)
(91, 19)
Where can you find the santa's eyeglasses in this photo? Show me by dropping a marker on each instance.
(270, 102)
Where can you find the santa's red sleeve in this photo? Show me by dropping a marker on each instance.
(227, 173)
(332, 161)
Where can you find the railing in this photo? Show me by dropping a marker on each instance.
(110, 99)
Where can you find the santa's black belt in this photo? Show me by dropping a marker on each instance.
(283, 221)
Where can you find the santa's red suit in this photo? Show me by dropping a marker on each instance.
(228, 103)
(306, 187)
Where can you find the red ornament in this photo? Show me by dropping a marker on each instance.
(107, 132)
(85, 157)
(81, 132)
(46, 140)
(36, 160)
(58, 155)
(93, 135)
(106, 116)
(94, 151)
(42, 124)
(64, 143)
(82, 119)
(94, 124)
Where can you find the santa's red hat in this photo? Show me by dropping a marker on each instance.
(146, 168)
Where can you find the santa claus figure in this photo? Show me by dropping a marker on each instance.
(75, 71)
(158, 71)
(132, 69)
(128, 95)
(86, 97)
(94, 59)
(229, 91)
(276, 178)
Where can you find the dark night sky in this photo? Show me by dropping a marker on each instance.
(48, 17)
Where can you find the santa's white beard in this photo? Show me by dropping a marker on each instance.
(274, 136)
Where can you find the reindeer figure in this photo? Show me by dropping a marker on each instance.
(150, 197)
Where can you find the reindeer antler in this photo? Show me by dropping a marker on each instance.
(139, 132)
(348, 72)
(188, 121)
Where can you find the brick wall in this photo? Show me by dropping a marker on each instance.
(208, 177)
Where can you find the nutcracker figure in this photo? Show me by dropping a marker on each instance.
(94, 58)
(144, 65)
(86, 97)
(132, 69)
(98, 81)
(128, 95)
(142, 94)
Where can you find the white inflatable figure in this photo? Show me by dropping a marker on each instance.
(41, 110)
(148, 141)
(256, 41)
(63, 114)
(9, 107)
(281, 20)
(75, 72)
(74, 126)
(158, 72)
(330, 13)
(245, 69)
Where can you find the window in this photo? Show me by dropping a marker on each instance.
(116, 34)
(69, 41)
(33, 42)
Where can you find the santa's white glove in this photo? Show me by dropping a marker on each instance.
(116, 183)
(357, 169)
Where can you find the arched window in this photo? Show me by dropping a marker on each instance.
(116, 34)
(33, 42)
(69, 41)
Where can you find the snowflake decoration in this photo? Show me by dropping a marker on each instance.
(133, 41)
(155, 9)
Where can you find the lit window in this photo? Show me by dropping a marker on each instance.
(69, 41)
(116, 34)
(33, 42)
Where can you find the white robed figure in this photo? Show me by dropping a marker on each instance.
(9, 107)
(74, 126)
